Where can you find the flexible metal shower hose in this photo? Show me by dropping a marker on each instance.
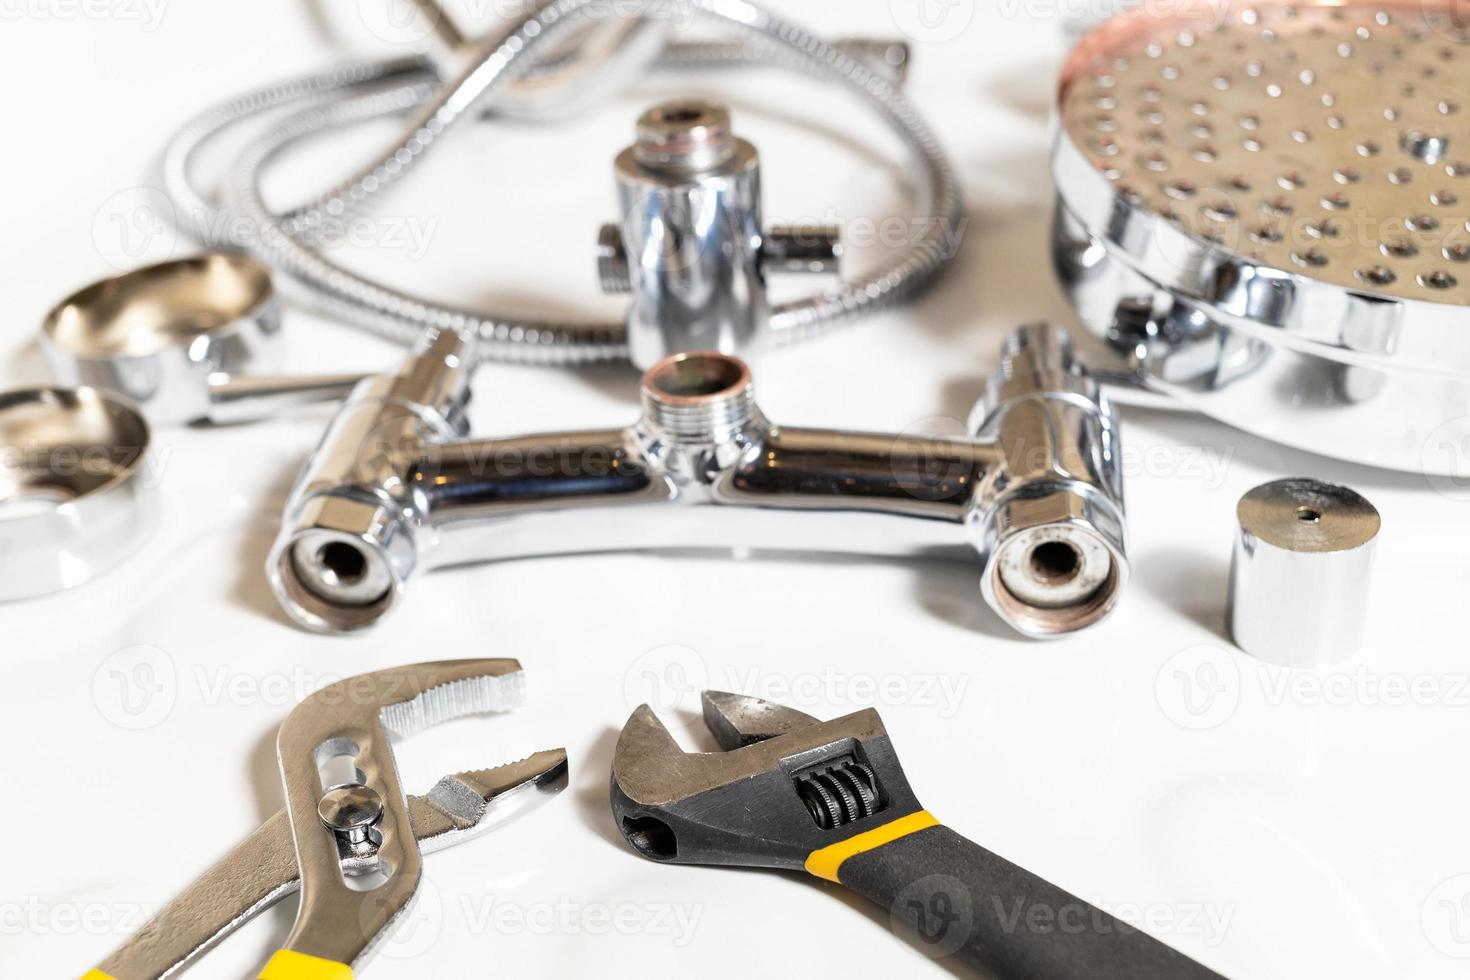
(356, 93)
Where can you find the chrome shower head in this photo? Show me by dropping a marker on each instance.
(1263, 206)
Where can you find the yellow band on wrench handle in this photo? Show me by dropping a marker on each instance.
(824, 862)
(97, 975)
(288, 964)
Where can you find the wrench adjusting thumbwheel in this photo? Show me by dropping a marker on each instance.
(1262, 207)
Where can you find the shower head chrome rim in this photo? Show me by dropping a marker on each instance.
(1233, 253)
(1292, 169)
(71, 487)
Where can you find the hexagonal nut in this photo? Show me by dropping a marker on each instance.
(1055, 559)
(341, 562)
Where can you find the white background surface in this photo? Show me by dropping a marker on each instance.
(1271, 824)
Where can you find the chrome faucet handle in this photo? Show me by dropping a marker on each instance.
(192, 340)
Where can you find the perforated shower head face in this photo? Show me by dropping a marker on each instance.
(1327, 141)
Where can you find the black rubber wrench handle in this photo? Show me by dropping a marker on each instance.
(958, 901)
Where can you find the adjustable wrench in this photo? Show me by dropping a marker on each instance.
(358, 840)
(830, 798)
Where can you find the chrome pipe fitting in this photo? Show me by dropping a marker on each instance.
(185, 340)
(1301, 572)
(356, 517)
(1035, 490)
(1054, 535)
(692, 249)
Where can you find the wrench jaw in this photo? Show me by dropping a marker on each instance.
(738, 720)
(763, 801)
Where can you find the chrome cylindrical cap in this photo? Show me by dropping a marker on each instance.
(1300, 575)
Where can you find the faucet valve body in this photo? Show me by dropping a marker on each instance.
(691, 249)
(353, 531)
(1033, 490)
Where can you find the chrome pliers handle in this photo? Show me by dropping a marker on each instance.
(349, 837)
